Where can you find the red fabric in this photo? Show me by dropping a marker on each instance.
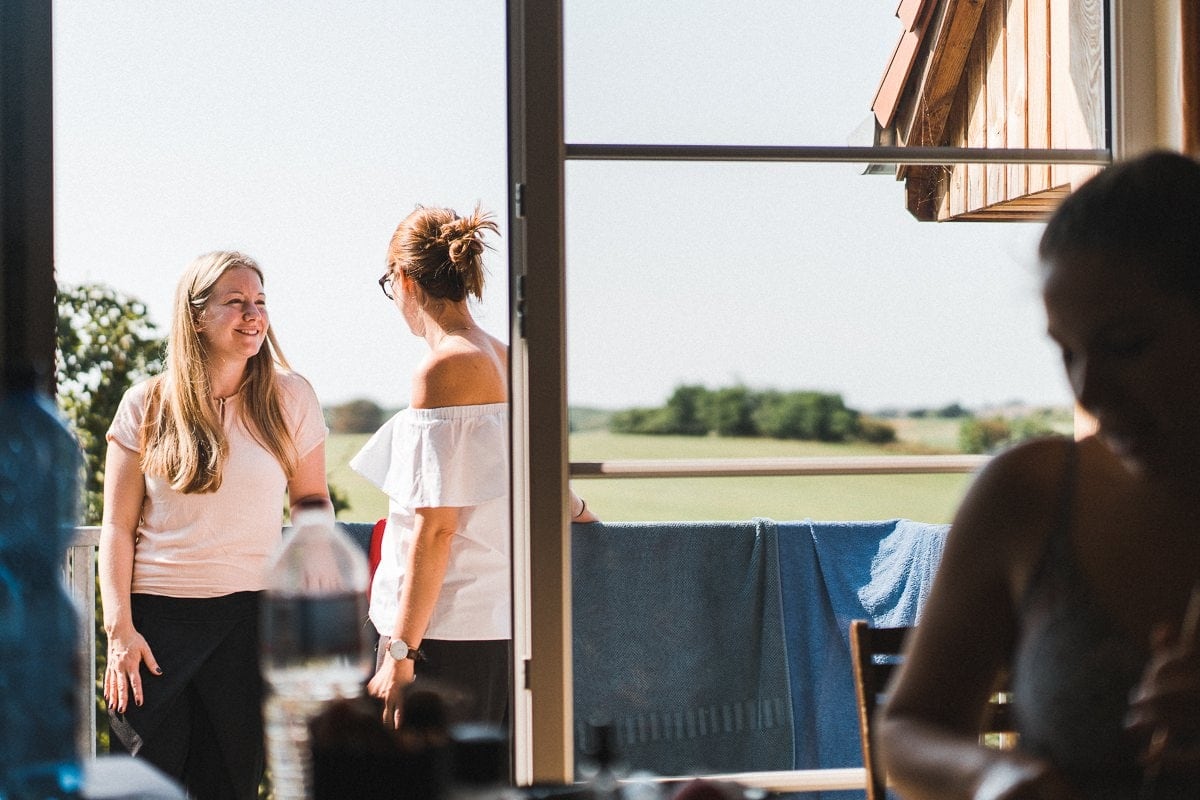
(374, 552)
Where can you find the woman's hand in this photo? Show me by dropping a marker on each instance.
(127, 652)
(388, 685)
(1164, 707)
(1021, 777)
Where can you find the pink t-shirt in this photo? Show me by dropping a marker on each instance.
(208, 545)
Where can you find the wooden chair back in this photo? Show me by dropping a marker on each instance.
(876, 654)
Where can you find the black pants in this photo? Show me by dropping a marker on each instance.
(472, 676)
(201, 721)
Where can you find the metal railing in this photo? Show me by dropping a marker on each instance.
(766, 467)
(79, 575)
(79, 567)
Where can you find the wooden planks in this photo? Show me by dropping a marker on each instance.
(1032, 77)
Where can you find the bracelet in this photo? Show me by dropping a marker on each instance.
(582, 509)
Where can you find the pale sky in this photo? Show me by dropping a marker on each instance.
(302, 133)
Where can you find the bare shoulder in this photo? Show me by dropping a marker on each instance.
(460, 373)
(1012, 505)
(1032, 471)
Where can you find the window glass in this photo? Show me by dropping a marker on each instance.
(710, 306)
(723, 72)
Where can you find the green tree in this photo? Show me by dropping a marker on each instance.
(684, 411)
(1032, 426)
(786, 415)
(876, 431)
(952, 411)
(356, 416)
(681, 416)
(983, 435)
(730, 411)
(106, 343)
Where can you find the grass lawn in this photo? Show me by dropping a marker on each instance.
(928, 498)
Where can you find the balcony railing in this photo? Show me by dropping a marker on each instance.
(767, 467)
(79, 574)
(80, 570)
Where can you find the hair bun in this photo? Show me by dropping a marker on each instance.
(442, 251)
(466, 246)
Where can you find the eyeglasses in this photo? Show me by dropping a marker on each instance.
(385, 283)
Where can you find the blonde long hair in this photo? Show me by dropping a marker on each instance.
(182, 438)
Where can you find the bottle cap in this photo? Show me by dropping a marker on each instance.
(479, 754)
(313, 512)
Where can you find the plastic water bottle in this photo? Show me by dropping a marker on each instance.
(479, 763)
(40, 677)
(314, 638)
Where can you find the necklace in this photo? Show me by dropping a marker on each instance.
(458, 330)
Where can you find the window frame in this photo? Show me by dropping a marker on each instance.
(543, 724)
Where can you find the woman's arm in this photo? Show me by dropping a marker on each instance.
(423, 575)
(309, 483)
(459, 375)
(124, 492)
(929, 727)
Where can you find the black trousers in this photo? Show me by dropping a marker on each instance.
(473, 677)
(201, 721)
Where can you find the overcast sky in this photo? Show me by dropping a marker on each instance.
(302, 133)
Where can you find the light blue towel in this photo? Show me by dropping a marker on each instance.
(678, 639)
(832, 573)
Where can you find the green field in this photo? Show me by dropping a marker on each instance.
(928, 498)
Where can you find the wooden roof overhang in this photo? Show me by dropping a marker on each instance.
(978, 73)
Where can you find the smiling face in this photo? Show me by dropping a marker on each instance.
(233, 323)
(1131, 350)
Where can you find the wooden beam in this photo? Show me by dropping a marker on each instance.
(1037, 121)
(1190, 79)
(1016, 93)
(919, 190)
(976, 122)
(995, 184)
(952, 31)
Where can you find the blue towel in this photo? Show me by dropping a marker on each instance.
(832, 573)
(678, 640)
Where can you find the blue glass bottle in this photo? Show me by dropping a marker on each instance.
(40, 480)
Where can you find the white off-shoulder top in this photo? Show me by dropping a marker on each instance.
(455, 456)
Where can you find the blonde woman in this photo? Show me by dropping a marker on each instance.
(199, 461)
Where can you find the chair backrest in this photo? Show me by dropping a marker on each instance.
(875, 654)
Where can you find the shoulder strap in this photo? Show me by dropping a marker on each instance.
(1056, 555)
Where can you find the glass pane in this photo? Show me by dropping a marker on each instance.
(709, 614)
(707, 299)
(723, 72)
(301, 135)
(792, 278)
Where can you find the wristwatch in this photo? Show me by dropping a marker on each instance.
(399, 650)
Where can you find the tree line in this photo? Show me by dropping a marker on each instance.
(694, 410)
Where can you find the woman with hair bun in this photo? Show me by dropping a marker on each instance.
(440, 598)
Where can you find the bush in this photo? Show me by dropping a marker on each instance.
(983, 435)
(730, 412)
(356, 416)
(876, 431)
(106, 343)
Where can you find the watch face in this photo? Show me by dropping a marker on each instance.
(398, 649)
